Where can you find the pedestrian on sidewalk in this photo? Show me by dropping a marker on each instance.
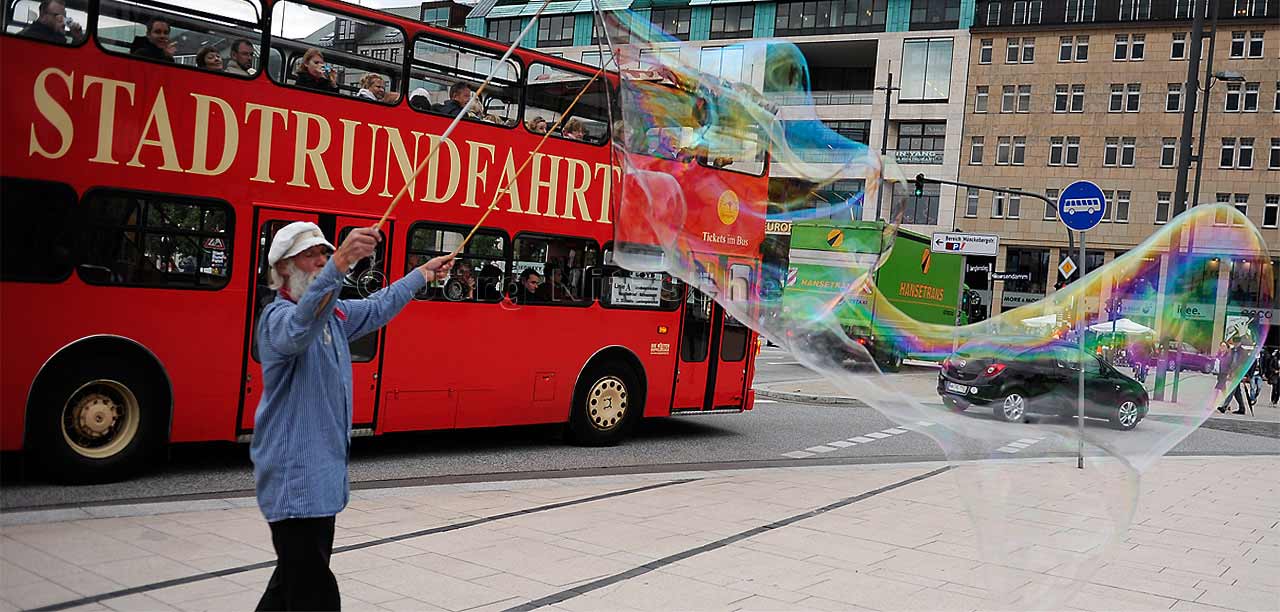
(1228, 359)
(302, 429)
(1272, 374)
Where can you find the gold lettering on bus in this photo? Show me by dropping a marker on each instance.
(159, 117)
(552, 185)
(265, 123)
(395, 145)
(606, 189)
(53, 112)
(306, 155)
(577, 193)
(348, 155)
(477, 172)
(106, 115)
(507, 184)
(230, 136)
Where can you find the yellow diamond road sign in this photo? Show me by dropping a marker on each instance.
(1067, 268)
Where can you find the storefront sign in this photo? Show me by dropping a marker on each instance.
(918, 157)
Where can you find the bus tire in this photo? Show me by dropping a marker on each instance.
(97, 422)
(605, 405)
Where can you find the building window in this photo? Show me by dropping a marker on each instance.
(922, 210)
(1122, 47)
(1274, 162)
(1231, 104)
(1173, 99)
(857, 131)
(1014, 209)
(1019, 150)
(997, 205)
(1251, 91)
(1026, 13)
(977, 145)
(1024, 98)
(504, 30)
(1228, 158)
(926, 69)
(724, 62)
(1122, 206)
(971, 204)
(993, 13)
(1255, 43)
(1117, 99)
(980, 100)
(597, 58)
(555, 31)
(1073, 49)
(1073, 151)
(1057, 147)
(1162, 207)
(1128, 151)
(1061, 98)
(674, 21)
(734, 21)
(1111, 155)
(1182, 9)
(1242, 204)
(1077, 98)
(1110, 197)
(806, 18)
(1003, 150)
(1133, 97)
(1220, 218)
(1244, 158)
(1138, 48)
(1276, 107)
(1020, 50)
(1008, 98)
(1237, 45)
(984, 51)
(1168, 152)
(1079, 11)
(1178, 49)
(1051, 207)
(1271, 210)
(935, 14)
(922, 136)
(1134, 10)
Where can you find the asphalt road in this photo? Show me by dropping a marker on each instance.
(774, 433)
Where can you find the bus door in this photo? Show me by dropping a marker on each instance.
(363, 278)
(714, 345)
(733, 345)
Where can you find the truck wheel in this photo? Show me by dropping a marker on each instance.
(96, 423)
(892, 362)
(605, 405)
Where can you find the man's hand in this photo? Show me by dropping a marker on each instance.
(360, 243)
(437, 268)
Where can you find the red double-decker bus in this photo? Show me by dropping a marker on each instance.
(142, 182)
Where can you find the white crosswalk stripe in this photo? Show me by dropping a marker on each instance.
(858, 440)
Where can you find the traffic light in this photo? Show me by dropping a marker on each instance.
(919, 182)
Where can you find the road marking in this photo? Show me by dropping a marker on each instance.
(895, 430)
(862, 439)
(764, 401)
(1019, 444)
(784, 363)
(820, 449)
(876, 434)
(840, 444)
(923, 423)
(797, 454)
(1029, 440)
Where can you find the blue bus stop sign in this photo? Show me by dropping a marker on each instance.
(1081, 206)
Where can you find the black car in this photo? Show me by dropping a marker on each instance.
(1044, 379)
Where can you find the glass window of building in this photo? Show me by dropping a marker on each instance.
(920, 210)
(733, 21)
(1178, 47)
(921, 136)
(935, 14)
(504, 30)
(926, 70)
(724, 62)
(674, 21)
(555, 31)
(806, 18)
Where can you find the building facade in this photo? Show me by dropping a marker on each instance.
(849, 46)
(1064, 90)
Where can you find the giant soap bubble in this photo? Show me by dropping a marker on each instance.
(1168, 329)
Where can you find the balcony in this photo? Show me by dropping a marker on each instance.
(823, 98)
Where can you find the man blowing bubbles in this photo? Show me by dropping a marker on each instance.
(302, 428)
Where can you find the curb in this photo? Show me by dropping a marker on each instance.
(828, 400)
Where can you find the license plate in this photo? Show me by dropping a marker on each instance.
(956, 388)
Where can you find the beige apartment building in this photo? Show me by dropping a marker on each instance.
(1060, 91)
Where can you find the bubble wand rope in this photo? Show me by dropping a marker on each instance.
(435, 147)
(490, 207)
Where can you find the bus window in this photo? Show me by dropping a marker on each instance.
(331, 52)
(548, 93)
(28, 255)
(733, 148)
(479, 271)
(552, 269)
(362, 280)
(60, 23)
(621, 288)
(197, 33)
(736, 336)
(153, 240)
(444, 78)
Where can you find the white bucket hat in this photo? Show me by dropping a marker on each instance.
(293, 239)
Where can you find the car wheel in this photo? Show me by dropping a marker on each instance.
(1013, 409)
(1126, 416)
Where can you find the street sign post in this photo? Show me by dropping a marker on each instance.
(965, 244)
(1081, 207)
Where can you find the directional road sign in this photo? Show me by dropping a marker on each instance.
(965, 244)
(1082, 205)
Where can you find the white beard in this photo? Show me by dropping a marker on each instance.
(299, 281)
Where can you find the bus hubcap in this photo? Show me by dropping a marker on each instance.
(100, 419)
(607, 402)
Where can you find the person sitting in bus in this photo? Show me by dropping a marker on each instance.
(209, 59)
(489, 282)
(526, 291)
(374, 87)
(420, 99)
(555, 289)
(240, 59)
(575, 130)
(461, 286)
(314, 73)
(156, 44)
(459, 97)
(537, 125)
(53, 25)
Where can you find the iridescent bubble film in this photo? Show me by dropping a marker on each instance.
(1163, 334)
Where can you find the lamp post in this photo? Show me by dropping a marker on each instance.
(888, 90)
(1230, 76)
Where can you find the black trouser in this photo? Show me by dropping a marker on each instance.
(302, 580)
(1226, 402)
(1275, 391)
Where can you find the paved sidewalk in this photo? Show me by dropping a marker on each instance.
(883, 537)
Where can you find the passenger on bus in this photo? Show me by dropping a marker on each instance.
(156, 44)
(420, 99)
(240, 59)
(461, 286)
(575, 130)
(555, 289)
(209, 59)
(314, 73)
(459, 96)
(489, 280)
(537, 125)
(527, 289)
(53, 25)
(374, 87)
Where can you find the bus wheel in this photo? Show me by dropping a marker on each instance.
(96, 427)
(604, 406)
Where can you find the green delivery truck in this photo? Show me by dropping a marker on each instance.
(812, 267)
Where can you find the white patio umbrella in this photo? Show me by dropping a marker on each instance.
(1125, 326)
